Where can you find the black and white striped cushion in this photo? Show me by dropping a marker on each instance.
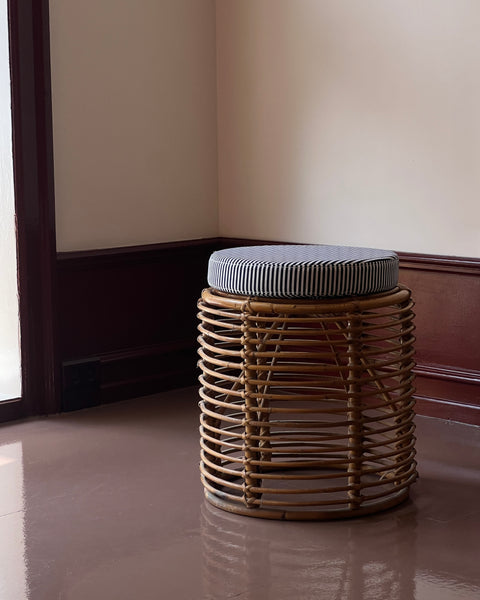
(298, 271)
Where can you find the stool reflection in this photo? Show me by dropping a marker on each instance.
(257, 559)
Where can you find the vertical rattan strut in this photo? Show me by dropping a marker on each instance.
(306, 407)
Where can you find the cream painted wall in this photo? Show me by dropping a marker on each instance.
(134, 115)
(351, 122)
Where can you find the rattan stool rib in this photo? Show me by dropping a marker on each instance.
(306, 404)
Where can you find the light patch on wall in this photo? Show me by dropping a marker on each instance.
(134, 116)
(351, 123)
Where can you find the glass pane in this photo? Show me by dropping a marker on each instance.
(10, 375)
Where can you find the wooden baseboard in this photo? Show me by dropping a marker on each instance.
(143, 371)
(134, 310)
(450, 411)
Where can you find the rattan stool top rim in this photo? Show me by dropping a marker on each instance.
(396, 295)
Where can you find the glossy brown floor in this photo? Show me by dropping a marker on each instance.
(107, 504)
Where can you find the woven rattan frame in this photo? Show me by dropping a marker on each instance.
(306, 407)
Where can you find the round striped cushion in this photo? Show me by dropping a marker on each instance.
(298, 271)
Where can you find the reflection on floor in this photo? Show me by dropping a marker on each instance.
(106, 504)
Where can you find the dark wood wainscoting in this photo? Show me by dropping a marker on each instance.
(128, 320)
(128, 324)
(446, 291)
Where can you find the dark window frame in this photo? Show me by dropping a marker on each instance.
(29, 38)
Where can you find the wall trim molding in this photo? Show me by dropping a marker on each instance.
(445, 264)
(443, 372)
(424, 262)
(85, 258)
(447, 410)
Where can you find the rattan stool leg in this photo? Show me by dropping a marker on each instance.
(354, 415)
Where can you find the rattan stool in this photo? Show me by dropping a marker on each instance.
(306, 355)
